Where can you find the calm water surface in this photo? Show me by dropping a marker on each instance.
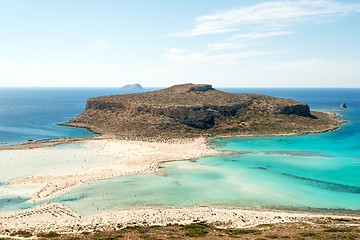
(33, 113)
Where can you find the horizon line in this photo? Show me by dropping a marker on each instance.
(157, 87)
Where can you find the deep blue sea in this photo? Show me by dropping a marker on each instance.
(33, 113)
(312, 172)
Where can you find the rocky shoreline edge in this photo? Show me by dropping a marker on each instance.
(57, 141)
(56, 217)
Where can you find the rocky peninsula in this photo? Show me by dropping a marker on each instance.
(191, 111)
(174, 125)
(167, 122)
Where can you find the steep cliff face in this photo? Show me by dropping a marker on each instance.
(191, 109)
(196, 114)
(202, 117)
(297, 109)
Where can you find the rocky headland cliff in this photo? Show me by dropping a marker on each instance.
(190, 110)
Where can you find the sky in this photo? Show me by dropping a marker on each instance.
(159, 43)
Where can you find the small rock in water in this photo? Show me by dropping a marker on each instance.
(343, 105)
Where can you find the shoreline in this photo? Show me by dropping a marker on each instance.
(57, 217)
(54, 186)
(330, 129)
(58, 141)
(127, 157)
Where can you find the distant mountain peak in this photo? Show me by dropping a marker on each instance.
(132, 87)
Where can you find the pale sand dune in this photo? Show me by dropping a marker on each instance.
(126, 157)
(56, 217)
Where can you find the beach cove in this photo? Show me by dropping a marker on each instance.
(252, 180)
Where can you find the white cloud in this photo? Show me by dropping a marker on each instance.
(299, 64)
(243, 40)
(274, 15)
(173, 51)
(228, 46)
(319, 64)
(186, 57)
(257, 35)
(100, 43)
(251, 25)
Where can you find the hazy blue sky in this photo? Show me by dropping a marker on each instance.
(158, 43)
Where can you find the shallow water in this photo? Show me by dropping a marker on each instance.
(65, 159)
(311, 172)
(249, 180)
(308, 172)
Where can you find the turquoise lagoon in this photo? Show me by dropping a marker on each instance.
(313, 172)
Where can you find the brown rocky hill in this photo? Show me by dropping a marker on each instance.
(190, 110)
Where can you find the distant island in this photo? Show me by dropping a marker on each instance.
(343, 105)
(190, 111)
(132, 87)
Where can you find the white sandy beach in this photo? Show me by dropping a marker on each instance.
(109, 158)
(56, 217)
(121, 158)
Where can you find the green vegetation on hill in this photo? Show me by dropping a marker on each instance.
(317, 228)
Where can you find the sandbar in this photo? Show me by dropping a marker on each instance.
(122, 157)
(130, 157)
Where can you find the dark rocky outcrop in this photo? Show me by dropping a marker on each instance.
(297, 109)
(343, 105)
(200, 88)
(197, 116)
